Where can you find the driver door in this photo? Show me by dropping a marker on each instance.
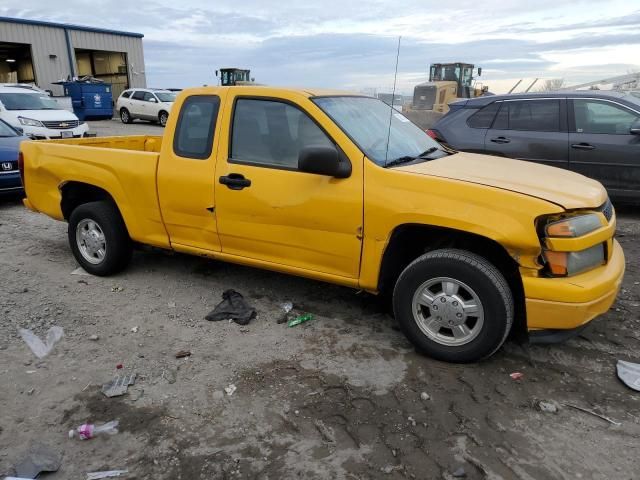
(275, 213)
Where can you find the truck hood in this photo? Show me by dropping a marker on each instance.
(41, 115)
(562, 187)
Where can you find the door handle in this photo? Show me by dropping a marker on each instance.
(235, 181)
(500, 140)
(583, 146)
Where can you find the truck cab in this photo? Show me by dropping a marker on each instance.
(340, 188)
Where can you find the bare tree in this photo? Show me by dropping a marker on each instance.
(551, 85)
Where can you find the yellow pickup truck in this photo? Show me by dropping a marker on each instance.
(342, 188)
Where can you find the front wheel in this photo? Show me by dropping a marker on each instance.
(99, 239)
(454, 305)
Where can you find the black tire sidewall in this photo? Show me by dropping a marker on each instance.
(119, 249)
(495, 305)
(163, 114)
(128, 120)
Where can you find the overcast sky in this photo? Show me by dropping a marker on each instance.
(352, 44)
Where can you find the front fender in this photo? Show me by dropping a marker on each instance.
(394, 198)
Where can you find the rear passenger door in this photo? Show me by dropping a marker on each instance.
(531, 129)
(601, 145)
(186, 180)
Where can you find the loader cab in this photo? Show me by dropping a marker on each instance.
(460, 73)
(234, 76)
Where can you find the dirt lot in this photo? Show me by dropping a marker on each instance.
(338, 397)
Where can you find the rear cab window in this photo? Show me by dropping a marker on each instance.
(193, 137)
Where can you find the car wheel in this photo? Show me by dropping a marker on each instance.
(125, 116)
(99, 239)
(454, 305)
(162, 118)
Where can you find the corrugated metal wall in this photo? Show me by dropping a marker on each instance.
(132, 46)
(46, 41)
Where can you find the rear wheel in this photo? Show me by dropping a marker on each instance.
(99, 239)
(125, 116)
(162, 118)
(454, 305)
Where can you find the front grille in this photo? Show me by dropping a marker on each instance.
(61, 124)
(607, 210)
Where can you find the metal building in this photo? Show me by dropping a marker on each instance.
(33, 51)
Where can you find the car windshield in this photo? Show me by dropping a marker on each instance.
(28, 101)
(366, 121)
(166, 96)
(6, 130)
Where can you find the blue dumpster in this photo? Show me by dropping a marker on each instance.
(90, 101)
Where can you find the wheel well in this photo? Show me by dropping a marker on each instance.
(75, 194)
(408, 242)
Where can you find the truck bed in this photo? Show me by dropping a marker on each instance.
(125, 167)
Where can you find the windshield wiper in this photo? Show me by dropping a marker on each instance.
(409, 158)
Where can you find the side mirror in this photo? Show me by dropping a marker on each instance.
(20, 130)
(635, 128)
(324, 161)
(153, 100)
(479, 71)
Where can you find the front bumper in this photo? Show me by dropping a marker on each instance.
(10, 182)
(570, 302)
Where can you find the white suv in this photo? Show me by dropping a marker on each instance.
(145, 104)
(38, 115)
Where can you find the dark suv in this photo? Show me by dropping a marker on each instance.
(591, 132)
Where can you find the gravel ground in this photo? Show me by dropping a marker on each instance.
(341, 396)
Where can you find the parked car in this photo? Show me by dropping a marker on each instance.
(594, 133)
(10, 139)
(145, 104)
(38, 115)
(468, 245)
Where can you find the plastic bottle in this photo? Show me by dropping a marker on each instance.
(89, 430)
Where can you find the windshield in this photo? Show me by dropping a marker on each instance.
(28, 101)
(6, 130)
(166, 96)
(366, 121)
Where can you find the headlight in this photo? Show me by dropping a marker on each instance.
(574, 226)
(30, 122)
(565, 264)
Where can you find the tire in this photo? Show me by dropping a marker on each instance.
(125, 116)
(433, 302)
(162, 118)
(104, 230)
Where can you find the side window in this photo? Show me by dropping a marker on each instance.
(138, 95)
(193, 137)
(126, 94)
(272, 133)
(529, 115)
(483, 118)
(594, 116)
(148, 97)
